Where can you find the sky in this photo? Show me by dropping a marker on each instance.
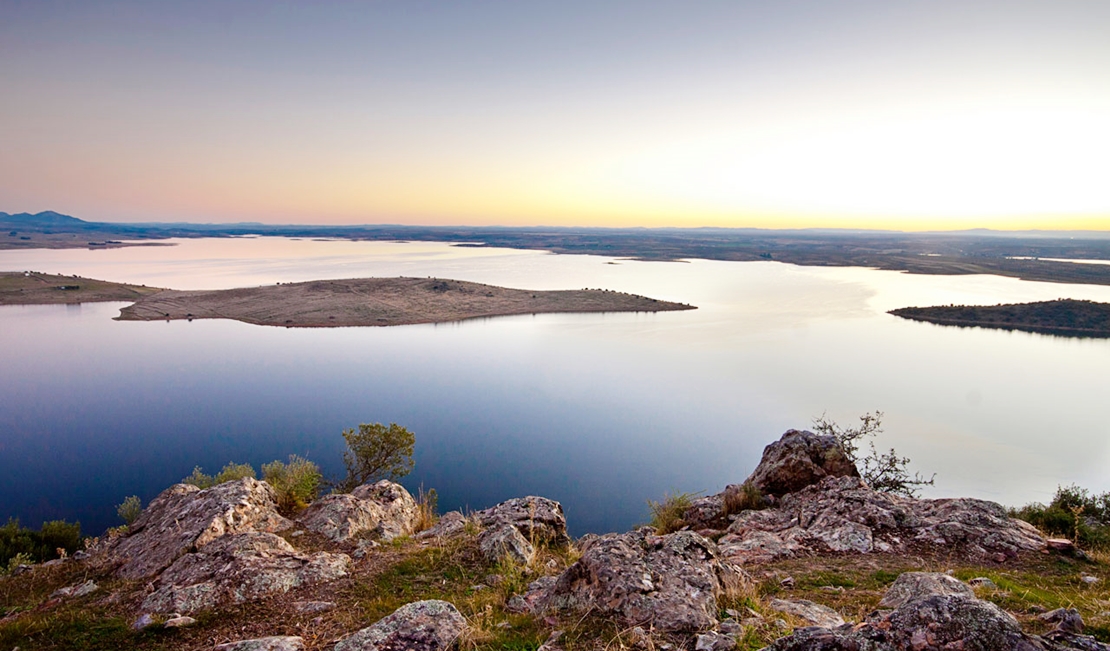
(908, 115)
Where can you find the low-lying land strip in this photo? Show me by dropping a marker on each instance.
(1061, 317)
(379, 302)
(31, 288)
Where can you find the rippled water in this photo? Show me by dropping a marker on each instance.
(598, 411)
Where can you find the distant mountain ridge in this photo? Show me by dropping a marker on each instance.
(44, 217)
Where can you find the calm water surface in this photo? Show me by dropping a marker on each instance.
(598, 411)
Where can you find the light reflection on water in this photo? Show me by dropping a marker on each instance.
(598, 411)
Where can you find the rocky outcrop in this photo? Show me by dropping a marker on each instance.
(184, 517)
(420, 626)
(798, 459)
(505, 540)
(914, 586)
(539, 519)
(449, 525)
(383, 510)
(237, 568)
(671, 583)
(842, 514)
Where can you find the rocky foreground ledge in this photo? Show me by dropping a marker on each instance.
(221, 568)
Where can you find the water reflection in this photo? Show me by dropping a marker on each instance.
(598, 411)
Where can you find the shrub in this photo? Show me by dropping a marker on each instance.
(745, 497)
(54, 539)
(1073, 513)
(231, 472)
(296, 483)
(886, 472)
(130, 509)
(375, 451)
(669, 515)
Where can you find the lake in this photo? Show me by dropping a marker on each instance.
(598, 411)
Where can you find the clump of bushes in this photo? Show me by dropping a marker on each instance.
(1073, 513)
(669, 514)
(883, 471)
(296, 483)
(130, 509)
(55, 539)
(231, 472)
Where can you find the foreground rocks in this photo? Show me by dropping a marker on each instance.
(671, 583)
(383, 510)
(421, 626)
(238, 568)
(539, 520)
(184, 517)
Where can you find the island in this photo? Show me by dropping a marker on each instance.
(379, 302)
(32, 288)
(1065, 317)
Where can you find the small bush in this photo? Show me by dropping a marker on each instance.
(130, 509)
(19, 559)
(1073, 513)
(296, 483)
(886, 472)
(231, 472)
(669, 515)
(375, 451)
(745, 497)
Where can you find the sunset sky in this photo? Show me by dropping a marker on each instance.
(869, 113)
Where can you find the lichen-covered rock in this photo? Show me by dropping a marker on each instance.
(449, 525)
(539, 519)
(498, 542)
(811, 613)
(912, 586)
(79, 590)
(932, 614)
(384, 509)
(420, 626)
(238, 568)
(671, 582)
(273, 643)
(842, 514)
(798, 459)
(184, 517)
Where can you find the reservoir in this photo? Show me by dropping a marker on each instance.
(598, 411)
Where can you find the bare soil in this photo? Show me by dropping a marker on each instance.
(30, 288)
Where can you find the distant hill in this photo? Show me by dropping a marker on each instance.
(1065, 317)
(44, 218)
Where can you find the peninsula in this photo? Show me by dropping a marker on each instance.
(379, 302)
(1064, 317)
(32, 288)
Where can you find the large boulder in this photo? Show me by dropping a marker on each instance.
(539, 519)
(671, 583)
(496, 543)
(384, 510)
(184, 517)
(843, 514)
(914, 586)
(798, 459)
(945, 619)
(420, 626)
(237, 568)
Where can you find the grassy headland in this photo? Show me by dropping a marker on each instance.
(30, 288)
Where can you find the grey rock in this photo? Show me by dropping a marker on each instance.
(539, 519)
(420, 626)
(179, 622)
(914, 586)
(671, 583)
(813, 614)
(22, 568)
(383, 509)
(184, 517)
(449, 525)
(843, 514)
(143, 621)
(982, 582)
(79, 590)
(714, 641)
(1067, 620)
(273, 643)
(799, 459)
(239, 568)
(504, 540)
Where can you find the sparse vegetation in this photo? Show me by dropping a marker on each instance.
(375, 451)
(883, 471)
(668, 515)
(231, 472)
(427, 505)
(745, 497)
(296, 483)
(1074, 513)
(130, 509)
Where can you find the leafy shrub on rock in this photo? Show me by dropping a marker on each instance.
(130, 509)
(296, 483)
(1074, 513)
(375, 451)
(231, 472)
(883, 471)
